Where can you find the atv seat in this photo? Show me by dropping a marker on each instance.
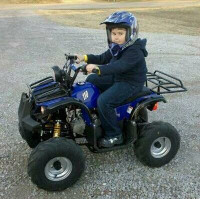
(145, 91)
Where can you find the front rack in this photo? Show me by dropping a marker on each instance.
(163, 83)
(42, 81)
(32, 86)
(46, 89)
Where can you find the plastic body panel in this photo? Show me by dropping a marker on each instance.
(123, 112)
(87, 93)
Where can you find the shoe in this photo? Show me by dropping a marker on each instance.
(110, 142)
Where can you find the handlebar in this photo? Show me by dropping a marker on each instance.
(83, 69)
(66, 76)
(85, 72)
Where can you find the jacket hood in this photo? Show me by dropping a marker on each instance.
(141, 43)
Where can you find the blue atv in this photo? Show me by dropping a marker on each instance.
(58, 115)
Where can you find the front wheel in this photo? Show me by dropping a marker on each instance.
(56, 164)
(158, 144)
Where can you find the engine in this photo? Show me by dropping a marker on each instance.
(78, 125)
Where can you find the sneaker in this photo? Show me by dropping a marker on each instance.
(110, 142)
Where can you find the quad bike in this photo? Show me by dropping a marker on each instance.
(58, 115)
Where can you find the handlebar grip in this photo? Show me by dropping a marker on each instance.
(83, 68)
(95, 70)
(85, 72)
(74, 57)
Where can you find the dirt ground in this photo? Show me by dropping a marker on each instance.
(30, 45)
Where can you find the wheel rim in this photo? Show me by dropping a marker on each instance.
(160, 147)
(58, 168)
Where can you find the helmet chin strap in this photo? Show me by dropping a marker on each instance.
(130, 42)
(115, 49)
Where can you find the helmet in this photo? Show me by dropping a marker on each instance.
(122, 19)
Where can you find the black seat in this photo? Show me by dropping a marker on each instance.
(145, 91)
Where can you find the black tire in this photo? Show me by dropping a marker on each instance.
(32, 139)
(32, 143)
(158, 144)
(56, 164)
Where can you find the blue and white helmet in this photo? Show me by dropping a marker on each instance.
(122, 19)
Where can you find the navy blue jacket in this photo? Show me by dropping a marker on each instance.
(128, 66)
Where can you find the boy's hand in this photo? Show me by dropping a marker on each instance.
(90, 67)
(79, 59)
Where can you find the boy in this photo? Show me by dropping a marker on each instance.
(121, 71)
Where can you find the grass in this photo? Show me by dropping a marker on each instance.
(73, 1)
(29, 1)
(183, 20)
(179, 20)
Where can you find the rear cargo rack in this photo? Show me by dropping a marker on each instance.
(163, 83)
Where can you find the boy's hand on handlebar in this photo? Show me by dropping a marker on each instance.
(79, 59)
(90, 67)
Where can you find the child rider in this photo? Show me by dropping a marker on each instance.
(121, 71)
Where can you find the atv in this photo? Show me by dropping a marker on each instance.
(58, 115)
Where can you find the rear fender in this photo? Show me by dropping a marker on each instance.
(145, 104)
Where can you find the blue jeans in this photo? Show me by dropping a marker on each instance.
(113, 94)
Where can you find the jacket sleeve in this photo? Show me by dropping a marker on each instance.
(127, 61)
(104, 58)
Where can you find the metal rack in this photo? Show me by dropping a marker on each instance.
(49, 89)
(163, 83)
(42, 81)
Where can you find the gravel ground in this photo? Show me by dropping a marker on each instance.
(30, 45)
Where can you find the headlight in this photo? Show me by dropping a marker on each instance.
(57, 74)
(42, 109)
(54, 76)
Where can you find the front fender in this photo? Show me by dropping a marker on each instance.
(71, 101)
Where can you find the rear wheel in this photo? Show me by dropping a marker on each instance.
(56, 164)
(158, 144)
